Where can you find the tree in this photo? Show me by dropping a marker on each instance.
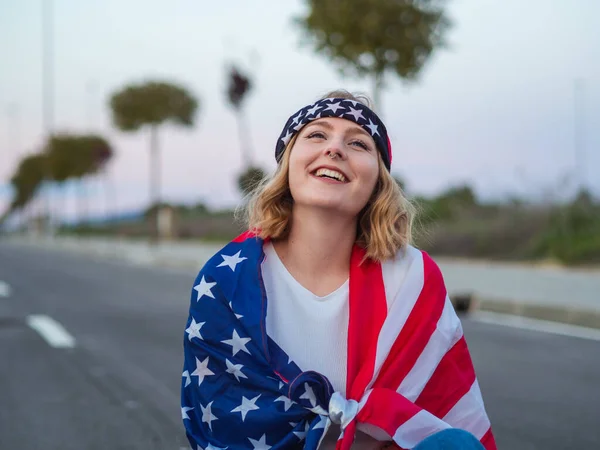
(150, 105)
(27, 180)
(239, 85)
(372, 37)
(75, 157)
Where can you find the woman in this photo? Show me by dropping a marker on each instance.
(322, 326)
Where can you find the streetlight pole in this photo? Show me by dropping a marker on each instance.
(48, 93)
(578, 134)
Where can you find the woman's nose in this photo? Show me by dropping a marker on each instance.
(335, 149)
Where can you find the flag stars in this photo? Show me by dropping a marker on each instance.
(204, 288)
(184, 412)
(235, 370)
(309, 395)
(312, 111)
(237, 343)
(202, 370)
(260, 444)
(207, 415)
(356, 113)
(232, 261)
(188, 379)
(374, 128)
(193, 330)
(296, 118)
(246, 406)
(287, 403)
(286, 139)
(334, 107)
(302, 434)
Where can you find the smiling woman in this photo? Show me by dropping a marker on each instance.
(385, 216)
(322, 326)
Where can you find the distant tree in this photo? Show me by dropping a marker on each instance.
(372, 37)
(238, 88)
(76, 157)
(250, 179)
(27, 179)
(151, 105)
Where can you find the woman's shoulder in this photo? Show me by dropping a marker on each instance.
(242, 249)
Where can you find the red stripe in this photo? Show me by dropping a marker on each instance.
(245, 235)
(451, 380)
(488, 441)
(368, 310)
(418, 329)
(387, 410)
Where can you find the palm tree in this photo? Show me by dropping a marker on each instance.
(150, 105)
(238, 88)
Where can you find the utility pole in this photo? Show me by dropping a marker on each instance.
(48, 96)
(12, 135)
(579, 134)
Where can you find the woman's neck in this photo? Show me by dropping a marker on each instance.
(318, 249)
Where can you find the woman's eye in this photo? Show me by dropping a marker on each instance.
(316, 134)
(361, 144)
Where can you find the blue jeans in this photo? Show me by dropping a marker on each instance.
(450, 439)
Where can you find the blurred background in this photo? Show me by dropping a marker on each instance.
(112, 109)
(133, 129)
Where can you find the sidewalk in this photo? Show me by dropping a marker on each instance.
(551, 293)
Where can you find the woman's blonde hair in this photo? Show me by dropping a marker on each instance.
(384, 224)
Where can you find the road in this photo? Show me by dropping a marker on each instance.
(117, 387)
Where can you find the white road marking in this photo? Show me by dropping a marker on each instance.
(5, 290)
(52, 331)
(543, 326)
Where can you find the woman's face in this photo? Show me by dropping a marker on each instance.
(343, 183)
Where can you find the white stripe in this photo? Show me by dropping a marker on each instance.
(4, 289)
(52, 331)
(407, 296)
(543, 326)
(417, 428)
(447, 333)
(469, 414)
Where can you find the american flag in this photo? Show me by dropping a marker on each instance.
(409, 370)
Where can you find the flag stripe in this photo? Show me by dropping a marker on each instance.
(417, 428)
(467, 413)
(448, 331)
(368, 311)
(488, 440)
(417, 330)
(451, 380)
(399, 312)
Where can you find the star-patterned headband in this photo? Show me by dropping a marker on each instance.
(342, 108)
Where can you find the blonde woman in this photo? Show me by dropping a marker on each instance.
(322, 327)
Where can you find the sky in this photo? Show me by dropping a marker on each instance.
(495, 109)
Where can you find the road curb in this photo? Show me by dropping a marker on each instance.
(471, 303)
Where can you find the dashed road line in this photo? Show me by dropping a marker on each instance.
(543, 326)
(52, 331)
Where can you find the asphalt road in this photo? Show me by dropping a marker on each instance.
(118, 387)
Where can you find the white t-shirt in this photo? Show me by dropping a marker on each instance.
(312, 330)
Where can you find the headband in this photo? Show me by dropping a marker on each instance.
(342, 108)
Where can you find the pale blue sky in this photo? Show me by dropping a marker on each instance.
(495, 109)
